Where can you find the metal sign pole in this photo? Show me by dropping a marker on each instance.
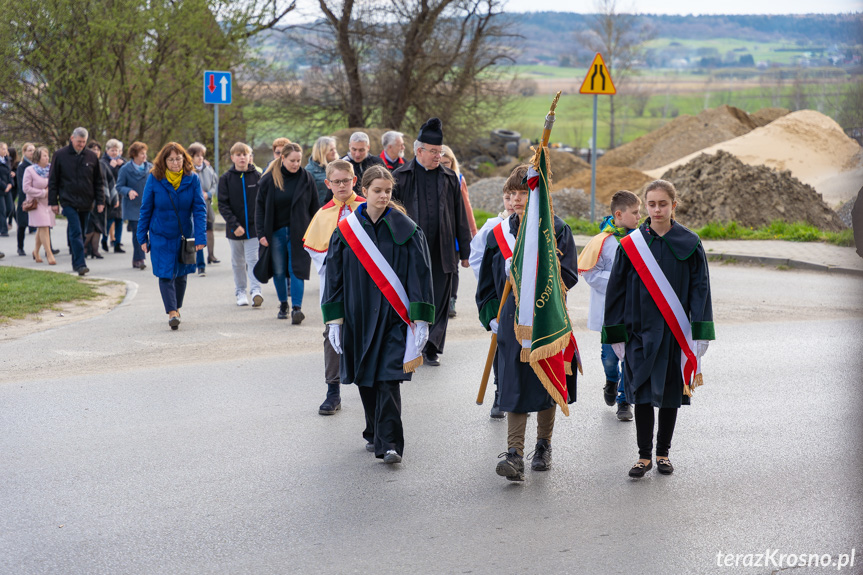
(593, 165)
(216, 137)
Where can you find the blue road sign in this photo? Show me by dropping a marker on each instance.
(217, 87)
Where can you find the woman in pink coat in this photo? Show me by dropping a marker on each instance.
(35, 185)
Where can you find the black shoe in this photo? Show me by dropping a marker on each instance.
(624, 411)
(330, 405)
(98, 256)
(2, 255)
(370, 447)
(451, 312)
(118, 249)
(512, 467)
(21, 252)
(283, 310)
(105, 245)
(639, 469)
(541, 457)
(83, 270)
(202, 272)
(297, 315)
(663, 465)
(496, 413)
(392, 456)
(55, 252)
(213, 260)
(609, 392)
(174, 322)
(431, 358)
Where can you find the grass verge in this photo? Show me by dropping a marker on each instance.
(25, 291)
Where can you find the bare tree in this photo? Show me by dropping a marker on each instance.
(620, 36)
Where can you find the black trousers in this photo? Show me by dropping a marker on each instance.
(23, 222)
(382, 404)
(331, 360)
(644, 420)
(442, 286)
(173, 291)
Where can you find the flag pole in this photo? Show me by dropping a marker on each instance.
(543, 143)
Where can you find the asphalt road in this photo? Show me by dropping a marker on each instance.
(127, 448)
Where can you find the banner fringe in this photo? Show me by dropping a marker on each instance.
(412, 365)
(525, 355)
(551, 349)
(549, 387)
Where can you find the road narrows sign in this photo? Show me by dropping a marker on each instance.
(598, 79)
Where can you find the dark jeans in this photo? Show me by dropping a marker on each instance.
(4, 211)
(23, 222)
(137, 252)
(76, 223)
(118, 229)
(644, 419)
(383, 408)
(280, 249)
(199, 260)
(173, 291)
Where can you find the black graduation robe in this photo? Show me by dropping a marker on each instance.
(652, 361)
(373, 334)
(519, 388)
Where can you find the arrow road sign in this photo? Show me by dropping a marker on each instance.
(217, 87)
(598, 79)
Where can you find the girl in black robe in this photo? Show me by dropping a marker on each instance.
(636, 329)
(364, 327)
(520, 390)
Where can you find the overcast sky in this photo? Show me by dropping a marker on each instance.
(690, 7)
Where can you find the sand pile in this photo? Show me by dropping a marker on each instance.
(572, 203)
(564, 165)
(721, 188)
(680, 137)
(809, 144)
(766, 115)
(609, 180)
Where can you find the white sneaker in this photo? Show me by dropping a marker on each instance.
(257, 299)
(242, 299)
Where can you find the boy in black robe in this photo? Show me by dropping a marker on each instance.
(520, 390)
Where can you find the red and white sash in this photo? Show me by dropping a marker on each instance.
(505, 239)
(385, 278)
(668, 303)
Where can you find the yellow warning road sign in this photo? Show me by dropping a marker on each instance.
(598, 79)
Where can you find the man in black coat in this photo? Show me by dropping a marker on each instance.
(75, 183)
(358, 156)
(432, 197)
(6, 185)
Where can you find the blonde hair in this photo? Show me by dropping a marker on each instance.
(447, 151)
(342, 165)
(287, 150)
(240, 148)
(319, 150)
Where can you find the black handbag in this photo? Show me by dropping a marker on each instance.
(188, 253)
(263, 270)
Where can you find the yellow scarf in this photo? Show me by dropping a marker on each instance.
(174, 178)
(321, 229)
(590, 254)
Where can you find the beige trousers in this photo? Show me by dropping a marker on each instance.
(517, 422)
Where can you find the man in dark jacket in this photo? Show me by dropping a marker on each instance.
(393, 153)
(432, 196)
(238, 194)
(6, 184)
(75, 183)
(857, 222)
(360, 159)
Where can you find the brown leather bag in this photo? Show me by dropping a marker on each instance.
(29, 204)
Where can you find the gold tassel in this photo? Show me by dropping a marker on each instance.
(567, 366)
(550, 349)
(687, 390)
(525, 355)
(697, 381)
(412, 365)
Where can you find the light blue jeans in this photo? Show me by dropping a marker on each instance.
(281, 251)
(613, 370)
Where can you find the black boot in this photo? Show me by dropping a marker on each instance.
(512, 467)
(297, 315)
(541, 460)
(283, 310)
(609, 392)
(333, 402)
(105, 244)
(496, 413)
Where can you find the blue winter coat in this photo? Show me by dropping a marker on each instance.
(129, 178)
(158, 225)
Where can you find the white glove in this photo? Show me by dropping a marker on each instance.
(493, 325)
(619, 350)
(701, 347)
(506, 265)
(334, 335)
(421, 334)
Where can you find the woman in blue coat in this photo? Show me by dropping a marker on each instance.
(130, 184)
(172, 199)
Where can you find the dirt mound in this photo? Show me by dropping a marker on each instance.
(721, 188)
(609, 180)
(680, 137)
(487, 194)
(811, 145)
(564, 164)
(766, 115)
(572, 203)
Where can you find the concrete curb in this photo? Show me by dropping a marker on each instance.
(774, 261)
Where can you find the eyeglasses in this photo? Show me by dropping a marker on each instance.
(175, 160)
(341, 183)
(433, 152)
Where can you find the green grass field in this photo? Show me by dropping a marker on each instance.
(24, 291)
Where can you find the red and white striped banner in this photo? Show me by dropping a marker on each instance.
(384, 276)
(666, 300)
